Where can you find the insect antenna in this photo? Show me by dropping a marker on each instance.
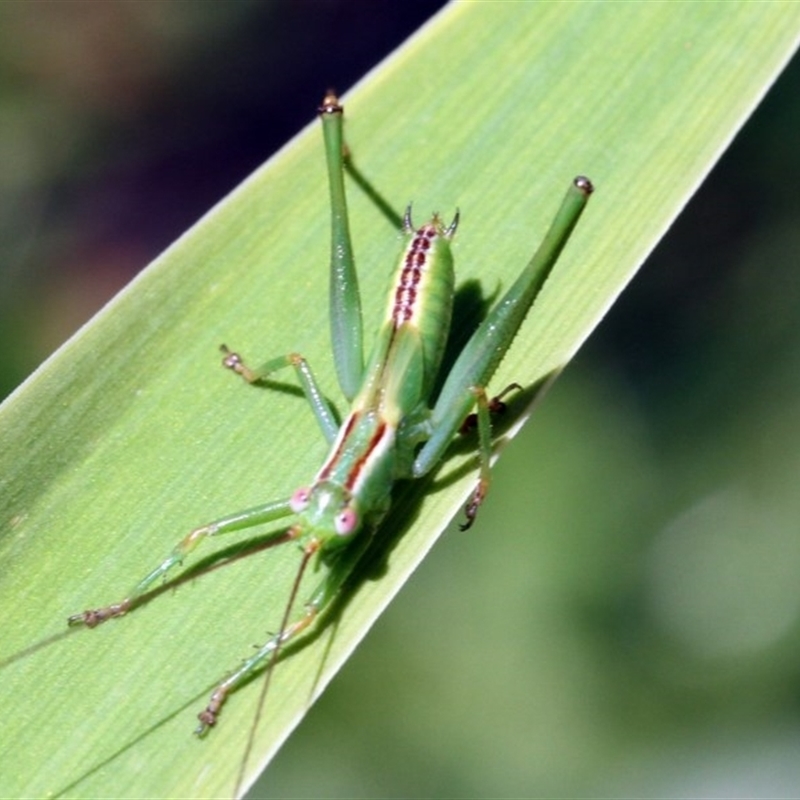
(284, 632)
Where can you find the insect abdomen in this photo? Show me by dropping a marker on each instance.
(422, 291)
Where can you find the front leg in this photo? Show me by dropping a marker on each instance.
(233, 522)
(308, 383)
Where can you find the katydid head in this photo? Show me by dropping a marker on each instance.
(327, 510)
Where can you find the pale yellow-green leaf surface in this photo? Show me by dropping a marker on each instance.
(132, 434)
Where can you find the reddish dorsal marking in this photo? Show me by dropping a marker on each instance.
(355, 472)
(360, 463)
(327, 467)
(405, 295)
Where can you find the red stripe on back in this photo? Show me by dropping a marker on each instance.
(406, 293)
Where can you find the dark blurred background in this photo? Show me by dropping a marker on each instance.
(645, 638)
(121, 123)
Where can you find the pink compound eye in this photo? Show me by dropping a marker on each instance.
(299, 500)
(346, 522)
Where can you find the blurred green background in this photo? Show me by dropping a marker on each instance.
(643, 639)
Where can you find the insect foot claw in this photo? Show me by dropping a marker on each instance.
(86, 618)
(232, 360)
(95, 616)
(206, 721)
(208, 716)
(471, 508)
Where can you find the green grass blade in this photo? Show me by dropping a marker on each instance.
(131, 434)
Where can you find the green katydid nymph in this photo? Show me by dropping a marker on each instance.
(395, 428)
